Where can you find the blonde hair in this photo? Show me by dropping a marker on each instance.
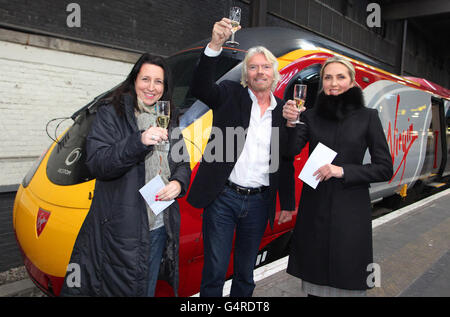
(269, 56)
(343, 61)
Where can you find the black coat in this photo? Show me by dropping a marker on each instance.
(113, 245)
(332, 239)
(231, 105)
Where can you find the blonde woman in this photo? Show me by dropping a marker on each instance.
(332, 241)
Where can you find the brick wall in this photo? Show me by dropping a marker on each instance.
(39, 84)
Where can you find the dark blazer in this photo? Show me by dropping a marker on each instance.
(231, 105)
(332, 239)
(113, 245)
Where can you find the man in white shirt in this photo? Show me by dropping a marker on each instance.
(241, 195)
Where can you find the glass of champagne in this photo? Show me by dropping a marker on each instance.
(163, 115)
(235, 17)
(299, 98)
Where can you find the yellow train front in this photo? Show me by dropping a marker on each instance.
(50, 207)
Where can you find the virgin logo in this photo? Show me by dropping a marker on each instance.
(41, 221)
(400, 143)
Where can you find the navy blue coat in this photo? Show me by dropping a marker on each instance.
(113, 245)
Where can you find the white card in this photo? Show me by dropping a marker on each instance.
(149, 192)
(319, 157)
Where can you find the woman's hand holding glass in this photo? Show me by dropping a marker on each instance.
(291, 112)
(154, 135)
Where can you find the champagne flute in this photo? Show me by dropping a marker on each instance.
(163, 115)
(235, 17)
(299, 98)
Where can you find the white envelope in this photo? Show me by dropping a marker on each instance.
(149, 192)
(319, 157)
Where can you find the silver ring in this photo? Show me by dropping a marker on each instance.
(153, 138)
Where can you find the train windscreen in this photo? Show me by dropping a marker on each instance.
(66, 164)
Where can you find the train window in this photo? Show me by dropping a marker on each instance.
(309, 76)
(182, 67)
(66, 164)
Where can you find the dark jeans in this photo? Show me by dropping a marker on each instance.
(158, 239)
(230, 211)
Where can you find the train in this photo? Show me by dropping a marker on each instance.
(55, 195)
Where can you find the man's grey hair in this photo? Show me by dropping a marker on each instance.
(269, 56)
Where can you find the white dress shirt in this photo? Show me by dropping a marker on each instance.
(252, 167)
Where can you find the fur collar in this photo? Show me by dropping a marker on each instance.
(338, 107)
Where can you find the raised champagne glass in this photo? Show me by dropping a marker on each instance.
(162, 115)
(299, 98)
(235, 17)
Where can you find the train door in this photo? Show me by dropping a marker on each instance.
(441, 141)
(447, 132)
(436, 157)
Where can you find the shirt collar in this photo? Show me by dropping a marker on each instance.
(273, 102)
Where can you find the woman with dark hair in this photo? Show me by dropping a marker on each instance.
(122, 246)
(331, 247)
(128, 86)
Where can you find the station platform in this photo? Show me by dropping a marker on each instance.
(411, 245)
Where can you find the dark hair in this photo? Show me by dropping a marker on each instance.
(127, 86)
